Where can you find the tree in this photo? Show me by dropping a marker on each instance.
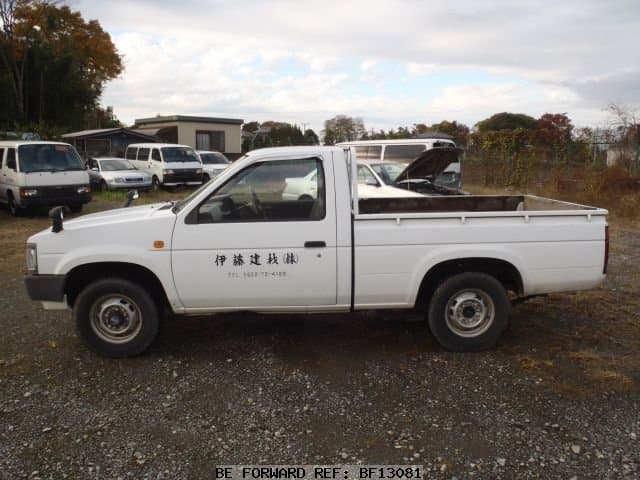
(343, 128)
(310, 137)
(506, 121)
(56, 61)
(459, 131)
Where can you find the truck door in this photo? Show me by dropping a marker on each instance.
(265, 238)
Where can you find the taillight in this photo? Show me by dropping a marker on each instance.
(606, 248)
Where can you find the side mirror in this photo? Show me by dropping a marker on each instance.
(131, 196)
(56, 214)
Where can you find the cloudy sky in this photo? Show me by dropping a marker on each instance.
(392, 62)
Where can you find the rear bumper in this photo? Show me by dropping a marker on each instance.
(46, 288)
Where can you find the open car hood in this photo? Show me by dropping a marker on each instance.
(430, 163)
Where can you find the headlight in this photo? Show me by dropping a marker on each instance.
(84, 189)
(167, 172)
(32, 258)
(28, 192)
(199, 171)
(118, 180)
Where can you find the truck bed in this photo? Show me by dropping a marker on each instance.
(469, 203)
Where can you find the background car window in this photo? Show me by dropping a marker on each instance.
(1, 157)
(143, 154)
(403, 153)
(369, 152)
(155, 155)
(214, 159)
(365, 176)
(131, 153)
(11, 158)
(270, 191)
(44, 157)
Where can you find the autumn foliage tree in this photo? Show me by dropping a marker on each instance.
(55, 62)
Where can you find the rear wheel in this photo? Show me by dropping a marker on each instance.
(116, 317)
(469, 312)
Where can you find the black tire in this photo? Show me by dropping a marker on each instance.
(205, 178)
(117, 300)
(306, 197)
(76, 207)
(103, 186)
(14, 209)
(155, 183)
(473, 297)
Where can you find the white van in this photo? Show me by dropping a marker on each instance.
(406, 151)
(167, 163)
(42, 174)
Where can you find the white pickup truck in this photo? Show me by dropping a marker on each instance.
(237, 244)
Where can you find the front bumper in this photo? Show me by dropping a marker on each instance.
(46, 288)
(51, 198)
(129, 185)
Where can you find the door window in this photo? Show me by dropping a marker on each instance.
(143, 154)
(1, 157)
(365, 177)
(155, 155)
(11, 158)
(281, 190)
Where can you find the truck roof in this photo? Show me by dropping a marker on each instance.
(310, 149)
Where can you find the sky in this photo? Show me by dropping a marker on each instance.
(392, 62)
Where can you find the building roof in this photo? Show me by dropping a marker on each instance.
(188, 118)
(104, 131)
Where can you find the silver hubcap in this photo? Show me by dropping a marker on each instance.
(470, 313)
(116, 318)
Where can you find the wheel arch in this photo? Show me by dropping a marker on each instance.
(504, 271)
(81, 275)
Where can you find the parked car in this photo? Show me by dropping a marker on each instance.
(108, 173)
(167, 163)
(213, 163)
(42, 174)
(420, 175)
(369, 186)
(236, 244)
(405, 151)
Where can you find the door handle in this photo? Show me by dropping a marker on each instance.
(318, 244)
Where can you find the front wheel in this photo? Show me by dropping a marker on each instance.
(469, 311)
(76, 207)
(155, 183)
(14, 209)
(116, 317)
(205, 178)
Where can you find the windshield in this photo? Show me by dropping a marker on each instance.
(48, 157)
(179, 154)
(213, 159)
(387, 171)
(115, 165)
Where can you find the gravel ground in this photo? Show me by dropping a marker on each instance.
(368, 388)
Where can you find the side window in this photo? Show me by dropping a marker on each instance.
(143, 154)
(280, 190)
(370, 152)
(11, 159)
(365, 177)
(93, 164)
(155, 155)
(131, 153)
(2, 157)
(403, 153)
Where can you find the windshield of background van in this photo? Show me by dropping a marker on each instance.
(45, 157)
(179, 154)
